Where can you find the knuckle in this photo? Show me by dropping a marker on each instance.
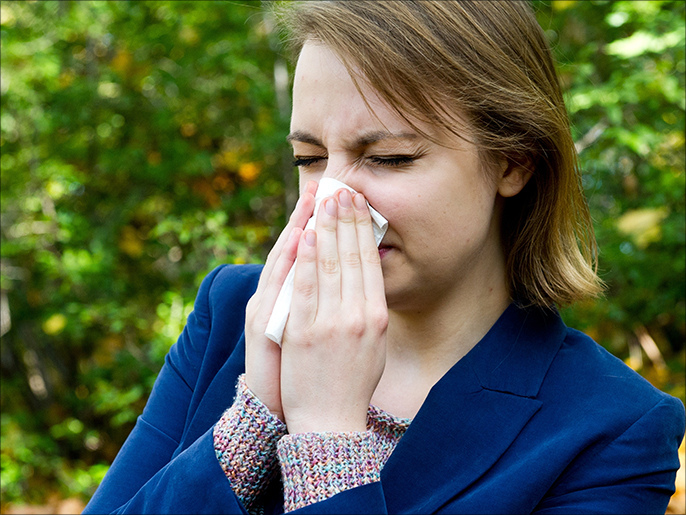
(356, 325)
(305, 338)
(252, 307)
(331, 330)
(379, 319)
(371, 256)
(351, 259)
(272, 281)
(306, 255)
(272, 254)
(324, 330)
(328, 227)
(364, 219)
(305, 289)
(329, 265)
(296, 211)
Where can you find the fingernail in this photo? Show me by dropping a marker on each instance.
(330, 206)
(311, 238)
(345, 198)
(360, 202)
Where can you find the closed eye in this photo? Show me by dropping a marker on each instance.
(387, 161)
(306, 161)
(392, 161)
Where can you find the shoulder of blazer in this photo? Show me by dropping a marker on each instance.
(213, 344)
(584, 371)
(225, 298)
(231, 287)
(219, 310)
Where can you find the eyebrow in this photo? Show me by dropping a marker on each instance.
(361, 141)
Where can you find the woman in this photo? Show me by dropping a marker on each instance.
(433, 374)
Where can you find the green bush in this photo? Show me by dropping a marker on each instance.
(143, 144)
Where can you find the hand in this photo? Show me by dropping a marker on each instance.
(263, 356)
(334, 346)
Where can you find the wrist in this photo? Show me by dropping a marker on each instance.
(273, 405)
(321, 423)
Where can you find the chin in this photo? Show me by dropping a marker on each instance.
(398, 298)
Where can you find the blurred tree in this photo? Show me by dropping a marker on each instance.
(142, 144)
(622, 66)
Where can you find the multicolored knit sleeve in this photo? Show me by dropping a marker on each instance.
(245, 441)
(316, 466)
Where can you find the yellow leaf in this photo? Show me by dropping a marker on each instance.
(561, 5)
(55, 324)
(188, 129)
(130, 242)
(66, 78)
(644, 226)
(249, 171)
(106, 349)
(189, 35)
(121, 62)
(154, 158)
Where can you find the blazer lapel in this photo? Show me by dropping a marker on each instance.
(473, 414)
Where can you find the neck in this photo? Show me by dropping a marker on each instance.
(424, 345)
(440, 330)
(427, 337)
(439, 335)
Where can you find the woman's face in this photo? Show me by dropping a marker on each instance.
(443, 236)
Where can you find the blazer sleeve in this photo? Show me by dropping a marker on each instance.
(633, 473)
(365, 499)
(147, 476)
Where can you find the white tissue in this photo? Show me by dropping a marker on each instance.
(327, 187)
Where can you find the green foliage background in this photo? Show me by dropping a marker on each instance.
(142, 145)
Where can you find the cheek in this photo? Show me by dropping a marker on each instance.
(408, 206)
(442, 220)
(304, 178)
(388, 204)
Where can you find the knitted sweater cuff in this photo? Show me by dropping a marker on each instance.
(245, 441)
(316, 466)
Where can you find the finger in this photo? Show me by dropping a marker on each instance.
(274, 281)
(298, 219)
(304, 209)
(311, 187)
(328, 267)
(372, 275)
(305, 289)
(348, 248)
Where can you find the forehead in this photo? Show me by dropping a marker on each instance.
(326, 100)
(325, 95)
(317, 57)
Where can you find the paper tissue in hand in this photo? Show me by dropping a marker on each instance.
(327, 187)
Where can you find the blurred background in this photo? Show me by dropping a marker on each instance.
(142, 144)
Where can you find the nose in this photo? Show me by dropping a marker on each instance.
(344, 171)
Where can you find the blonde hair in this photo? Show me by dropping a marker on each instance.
(486, 62)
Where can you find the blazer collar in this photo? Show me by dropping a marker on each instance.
(474, 412)
(515, 354)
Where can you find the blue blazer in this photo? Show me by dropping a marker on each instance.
(537, 418)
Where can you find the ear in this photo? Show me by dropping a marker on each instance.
(515, 175)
